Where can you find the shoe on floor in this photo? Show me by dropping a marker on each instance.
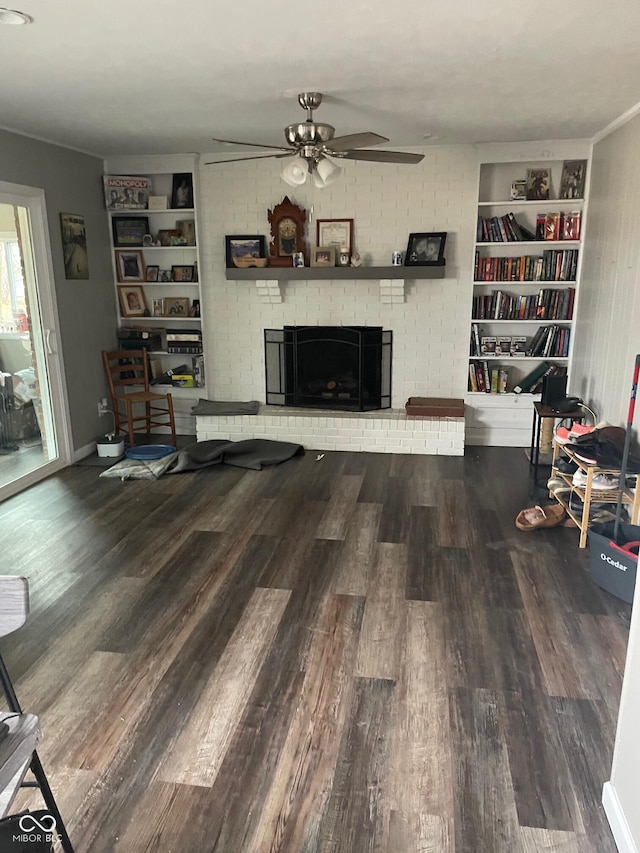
(538, 516)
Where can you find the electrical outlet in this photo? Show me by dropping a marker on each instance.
(102, 408)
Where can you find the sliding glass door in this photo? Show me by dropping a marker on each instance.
(34, 435)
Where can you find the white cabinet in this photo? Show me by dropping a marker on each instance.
(526, 272)
(172, 273)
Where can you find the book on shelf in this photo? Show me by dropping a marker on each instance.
(552, 226)
(473, 380)
(538, 181)
(571, 225)
(494, 380)
(573, 178)
(529, 381)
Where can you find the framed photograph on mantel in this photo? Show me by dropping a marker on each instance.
(337, 233)
(426, 249)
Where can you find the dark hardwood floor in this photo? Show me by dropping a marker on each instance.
(353, 653)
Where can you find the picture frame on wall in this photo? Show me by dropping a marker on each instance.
(74, 246)
(426, 249)
(132, 300)
(130, 266)
(182, 191)
(336, 232)
(129, 230)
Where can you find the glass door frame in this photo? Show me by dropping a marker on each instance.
(33, 199)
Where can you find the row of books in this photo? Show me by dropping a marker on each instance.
(548, 341)
(559, 225)
(502, 229)
(552, 265)
(181, 341)
(552, 341)
(495, 380)
(140, 338)
(547, 304)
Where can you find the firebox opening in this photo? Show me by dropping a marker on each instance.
(329, 367)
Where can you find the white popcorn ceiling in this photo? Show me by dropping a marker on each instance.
(157, 76)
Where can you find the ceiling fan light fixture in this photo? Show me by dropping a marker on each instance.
(296, 172)
(13, 17)
(326, 173)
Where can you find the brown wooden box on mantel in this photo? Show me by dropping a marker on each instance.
(435, 407)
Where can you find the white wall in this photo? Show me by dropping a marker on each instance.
(431, 329)
(607, 334)
(607, 341)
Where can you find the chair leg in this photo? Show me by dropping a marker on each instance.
(172, 421)
(148, 415)
(36, 765)
(130, 423)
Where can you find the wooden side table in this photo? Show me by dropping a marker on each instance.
(539, 413)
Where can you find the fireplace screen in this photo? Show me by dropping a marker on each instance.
(329, 367)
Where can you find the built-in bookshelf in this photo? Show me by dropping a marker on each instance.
(526, 271)
(160, 241)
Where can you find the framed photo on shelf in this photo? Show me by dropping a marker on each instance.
(165, 275)
(130, 265)
(157, 307)
(166, 235)
(182, 273)
(182, 190)
(175, 306)
(336, 232)
(244, 246)
(129, 230)
(132, 301)
(323, 256)
(538, 181)
(187, 230)
(152, 272)
(426, 249)
(573, 176)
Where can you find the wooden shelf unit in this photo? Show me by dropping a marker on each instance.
(587, 493)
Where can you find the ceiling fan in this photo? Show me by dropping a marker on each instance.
(312, 143)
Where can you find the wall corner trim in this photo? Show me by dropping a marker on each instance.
(617, 820)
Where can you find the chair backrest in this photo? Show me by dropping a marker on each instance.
(126, 367)
(14, 603)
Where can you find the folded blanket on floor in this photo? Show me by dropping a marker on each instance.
(252, 453)
(221, 407)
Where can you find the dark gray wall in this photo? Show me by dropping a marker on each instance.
(73, 184)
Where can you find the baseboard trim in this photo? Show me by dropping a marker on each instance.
(82, 452)
(617, 820)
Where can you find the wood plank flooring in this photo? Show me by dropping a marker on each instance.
(338, 655)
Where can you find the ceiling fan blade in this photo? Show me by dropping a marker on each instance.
(383, 156)
(257, 157)
(252, 144)
(355, 140)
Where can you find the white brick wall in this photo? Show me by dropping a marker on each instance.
(431, 328)
(386, 431)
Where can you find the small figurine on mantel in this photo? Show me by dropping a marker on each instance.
(356, 260)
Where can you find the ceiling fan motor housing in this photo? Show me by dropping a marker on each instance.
(309, 133)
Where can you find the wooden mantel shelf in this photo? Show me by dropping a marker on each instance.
(313, 273)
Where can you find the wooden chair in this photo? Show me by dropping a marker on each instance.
(18, 747)
(126, 368)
